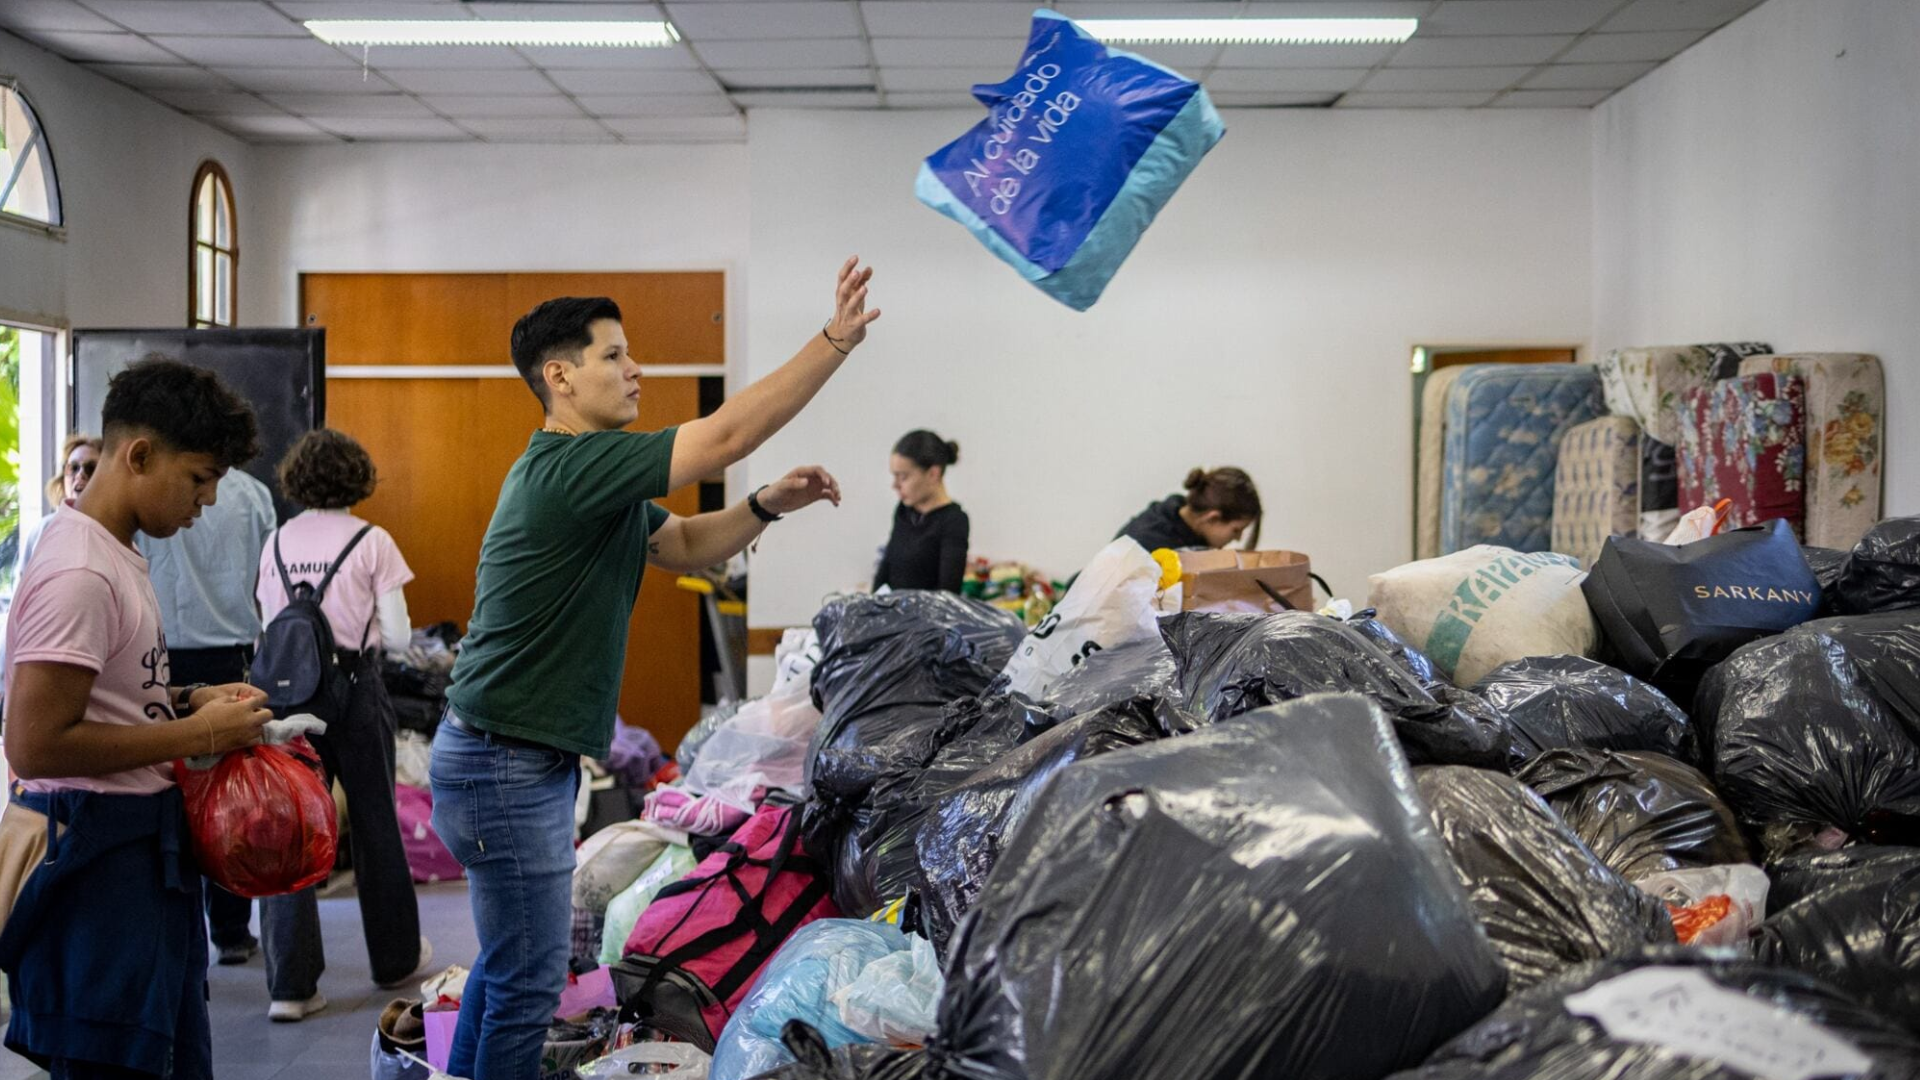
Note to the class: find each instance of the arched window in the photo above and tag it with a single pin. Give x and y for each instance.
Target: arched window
(28, 187)
(216, 248)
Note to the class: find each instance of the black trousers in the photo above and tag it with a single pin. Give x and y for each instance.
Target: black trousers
(227, 914)
(358, 752)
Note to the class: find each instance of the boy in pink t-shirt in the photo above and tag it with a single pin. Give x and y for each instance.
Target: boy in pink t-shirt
(91, 727)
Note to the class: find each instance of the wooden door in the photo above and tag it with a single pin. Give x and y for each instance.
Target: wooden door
(444, 445)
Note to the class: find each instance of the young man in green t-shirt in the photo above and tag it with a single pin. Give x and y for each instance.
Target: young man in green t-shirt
(538, 676)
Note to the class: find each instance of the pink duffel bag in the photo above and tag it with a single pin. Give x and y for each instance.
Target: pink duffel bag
(427, 857)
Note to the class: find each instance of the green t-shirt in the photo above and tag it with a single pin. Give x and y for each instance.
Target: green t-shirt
(559, 574)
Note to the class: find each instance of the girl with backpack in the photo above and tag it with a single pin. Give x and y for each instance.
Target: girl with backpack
(330, 592)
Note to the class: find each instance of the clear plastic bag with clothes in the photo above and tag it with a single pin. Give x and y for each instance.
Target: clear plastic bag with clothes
(608, 862)
(895, 999)
(624, 910)
(1711, 905)
(763, 745)
(676, 1060)
(799, 983)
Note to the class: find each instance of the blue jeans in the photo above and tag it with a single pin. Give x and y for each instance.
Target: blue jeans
(505, 810)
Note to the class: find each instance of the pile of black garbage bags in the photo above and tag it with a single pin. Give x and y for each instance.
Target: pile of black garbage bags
(1284, 846)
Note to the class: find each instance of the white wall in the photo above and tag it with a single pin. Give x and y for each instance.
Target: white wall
(1264, 321)
(1766, 185)
(126, 165)
(425, 207)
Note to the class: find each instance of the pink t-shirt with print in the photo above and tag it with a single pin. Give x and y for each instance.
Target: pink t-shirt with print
(308, 544)
(86, 601)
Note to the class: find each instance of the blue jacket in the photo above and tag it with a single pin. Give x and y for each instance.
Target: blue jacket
(105, 953)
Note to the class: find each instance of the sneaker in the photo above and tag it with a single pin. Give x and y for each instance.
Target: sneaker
(426, 957)
(292, 1012)
(231, 955)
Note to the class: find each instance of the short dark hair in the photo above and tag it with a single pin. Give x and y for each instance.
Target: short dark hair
(1228, 491)
(327, 470)
(186, 408)
(563, 324)
(926, 449)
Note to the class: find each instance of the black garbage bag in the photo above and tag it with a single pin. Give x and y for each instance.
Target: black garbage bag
(1641, 813)
(1800, 875)
(1826, 564)
(1546, 902)
(1551, 702)
(1231, 664)
(894, 783)
(1783, 1023)
(858, 1061)
(1856, 926)
(1815, 730)
(1134, 669)
(1262, 898)
(968, 827)
(1883, 571)
(1672, 611)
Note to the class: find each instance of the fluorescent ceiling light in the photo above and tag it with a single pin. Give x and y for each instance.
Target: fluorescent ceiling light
(1253, 31)
(627, 34)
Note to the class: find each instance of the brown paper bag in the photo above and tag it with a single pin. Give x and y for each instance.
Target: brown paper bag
(1232, 580)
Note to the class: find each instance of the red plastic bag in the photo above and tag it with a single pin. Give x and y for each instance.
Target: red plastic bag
(262, 819)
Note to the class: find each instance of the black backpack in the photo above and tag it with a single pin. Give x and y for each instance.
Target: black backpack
(297, 663)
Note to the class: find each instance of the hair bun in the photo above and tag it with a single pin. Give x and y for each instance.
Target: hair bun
(1196, 479)
(953, 453)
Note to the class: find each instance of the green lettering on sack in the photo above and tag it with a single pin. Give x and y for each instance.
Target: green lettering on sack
(1447, 641)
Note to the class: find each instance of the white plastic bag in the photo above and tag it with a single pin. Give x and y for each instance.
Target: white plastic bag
(763, 746)
(681, 1061)
(1110, 604)
(1744, 885)
(1474, 610)
(794, 658)
(609, 860)
(895, 999)
(412, 753)
(624, 911)
(1696, 524)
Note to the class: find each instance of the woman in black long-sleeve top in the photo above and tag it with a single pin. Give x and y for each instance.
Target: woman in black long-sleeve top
(928, 547)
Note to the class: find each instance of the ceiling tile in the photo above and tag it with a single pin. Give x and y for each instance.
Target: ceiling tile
(302, 10)
(51, 15)
(829, 52)
(672, 128)
(634, 82)
(716, 21)
(228, 104)
(1479, 51)
(1678, 15)
(355, 105)
(382, 129)
(1235, 99)
(404, 57)
(461, 106)
(678, 58)
(1588, 76)
(258, 52)
(268, 80)
(224, 18)
(553, 9)
(100, 48)
(1468, 17)
(1148, 9)
(452, 81)
(512, 129)
(947, 18)
(715, 104)
(753, 78)
(1626, 48)
(1553, 99)
(270, 128)
(1339, 9)
(1283, 80)
(937, 80)
(1187, 57)
(1462, 78)
(750, 100)
(1299, 56)
(158, 76)
(931, 99)
(992, 53)
(1414, 101)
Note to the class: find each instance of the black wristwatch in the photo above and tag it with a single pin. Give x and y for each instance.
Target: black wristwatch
(183, 701)
(761, 512)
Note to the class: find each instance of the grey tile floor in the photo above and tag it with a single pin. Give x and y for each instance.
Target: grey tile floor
(332, 1045)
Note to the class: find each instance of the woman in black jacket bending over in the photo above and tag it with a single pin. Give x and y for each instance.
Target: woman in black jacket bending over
(1219, 506)
(928, 548)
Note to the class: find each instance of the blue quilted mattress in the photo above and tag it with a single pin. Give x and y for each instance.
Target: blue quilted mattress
(1504, 426)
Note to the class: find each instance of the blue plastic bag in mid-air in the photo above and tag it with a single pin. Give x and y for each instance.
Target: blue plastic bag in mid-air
(1079, 151)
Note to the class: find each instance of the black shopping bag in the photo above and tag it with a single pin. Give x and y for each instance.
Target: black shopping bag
(1673, 611)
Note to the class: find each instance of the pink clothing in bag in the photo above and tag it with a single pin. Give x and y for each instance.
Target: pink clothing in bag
(427, 857)
(309, 543)
(86, 600)
(701, 815)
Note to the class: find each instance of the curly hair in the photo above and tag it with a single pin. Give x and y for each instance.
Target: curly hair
(187, 408)
(327, 470)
